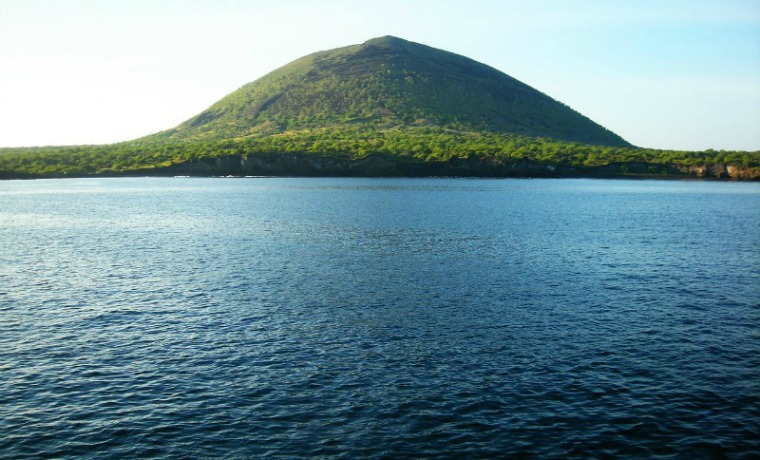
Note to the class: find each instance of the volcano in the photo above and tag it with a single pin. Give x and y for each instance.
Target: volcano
(385, 83)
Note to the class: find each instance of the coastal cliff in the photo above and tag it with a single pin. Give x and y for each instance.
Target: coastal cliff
(386, 166)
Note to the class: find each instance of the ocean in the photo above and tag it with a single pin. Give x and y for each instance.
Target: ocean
(241, 318)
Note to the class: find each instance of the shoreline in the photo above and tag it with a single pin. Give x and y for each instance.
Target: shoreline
(305, 165)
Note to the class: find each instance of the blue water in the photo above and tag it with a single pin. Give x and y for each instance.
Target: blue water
(379, 318)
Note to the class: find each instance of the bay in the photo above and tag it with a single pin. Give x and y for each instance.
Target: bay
(379, 318)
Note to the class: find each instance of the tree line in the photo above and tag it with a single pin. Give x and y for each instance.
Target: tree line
(421, 143)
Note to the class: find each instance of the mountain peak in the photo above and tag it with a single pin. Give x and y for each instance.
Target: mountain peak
(388, 40)
(385, 39)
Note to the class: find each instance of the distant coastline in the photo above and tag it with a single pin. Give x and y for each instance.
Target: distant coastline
(310, 165)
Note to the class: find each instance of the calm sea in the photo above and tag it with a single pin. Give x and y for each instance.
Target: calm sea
(379, 318)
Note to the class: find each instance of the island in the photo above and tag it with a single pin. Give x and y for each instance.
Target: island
(387, 107)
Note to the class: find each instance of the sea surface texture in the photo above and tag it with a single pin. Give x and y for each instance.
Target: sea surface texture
(379, 318)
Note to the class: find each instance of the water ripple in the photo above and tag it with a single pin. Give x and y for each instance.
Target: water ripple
(379, 319)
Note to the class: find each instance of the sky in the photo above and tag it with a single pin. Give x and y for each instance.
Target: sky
(666, 74)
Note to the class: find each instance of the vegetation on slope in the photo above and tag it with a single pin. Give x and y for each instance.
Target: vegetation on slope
(421, 144)
(389, 82)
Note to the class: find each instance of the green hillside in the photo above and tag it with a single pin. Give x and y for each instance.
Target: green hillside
(388, 82)
(351, 150)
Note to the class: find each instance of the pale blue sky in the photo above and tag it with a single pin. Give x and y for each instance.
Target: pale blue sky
(681, 74)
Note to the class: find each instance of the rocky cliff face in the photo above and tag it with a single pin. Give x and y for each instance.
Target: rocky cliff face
(380, 166)
(722, 170)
